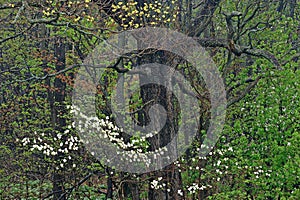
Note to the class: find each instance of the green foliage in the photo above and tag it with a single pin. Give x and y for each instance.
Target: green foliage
(257, 156)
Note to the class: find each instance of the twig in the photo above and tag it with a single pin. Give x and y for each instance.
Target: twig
(69, 190)
(245, 92)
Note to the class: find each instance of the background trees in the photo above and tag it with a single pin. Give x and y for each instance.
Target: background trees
(255, 44)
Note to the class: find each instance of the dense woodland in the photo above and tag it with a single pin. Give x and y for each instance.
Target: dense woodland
(254, 44)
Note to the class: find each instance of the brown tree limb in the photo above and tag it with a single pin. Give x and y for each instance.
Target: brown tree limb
(244, 93)
(15, 36)
(239, 50)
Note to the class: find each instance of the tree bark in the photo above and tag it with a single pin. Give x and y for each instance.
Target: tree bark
(59, 109)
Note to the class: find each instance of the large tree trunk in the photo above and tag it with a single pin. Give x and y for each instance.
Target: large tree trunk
(55, 99)
(158, 94)
(58, 110)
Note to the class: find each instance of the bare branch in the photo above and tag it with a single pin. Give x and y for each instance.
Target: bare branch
(15, 36)
(118, 69)
(239, 50)
(245, 92)
(10, 5)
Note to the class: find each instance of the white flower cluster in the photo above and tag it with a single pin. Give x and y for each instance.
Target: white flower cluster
(25, 141)
(155, 184)
(51, 145)
(211, 153)
(259, 171)
(194, 188)
(136, 148)
(180, 192)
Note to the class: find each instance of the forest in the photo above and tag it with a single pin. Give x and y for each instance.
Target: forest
(149, 99)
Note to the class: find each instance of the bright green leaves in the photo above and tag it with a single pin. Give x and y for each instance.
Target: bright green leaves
(268, 125)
